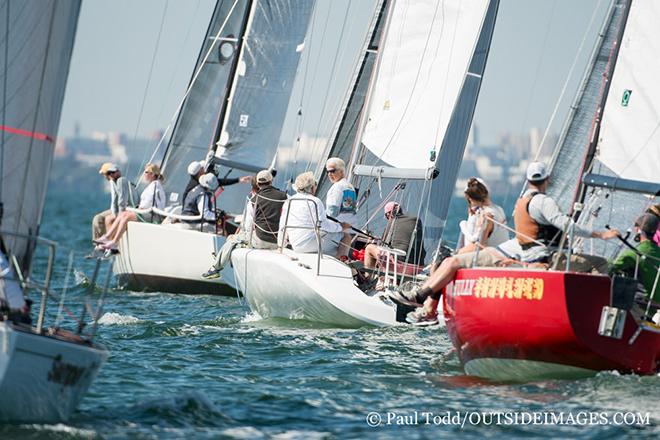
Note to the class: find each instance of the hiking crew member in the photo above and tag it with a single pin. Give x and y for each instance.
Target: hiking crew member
(268, 202)
(199, 200)
(121, 196)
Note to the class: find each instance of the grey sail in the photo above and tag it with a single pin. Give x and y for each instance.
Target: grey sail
(263, 84)
(574, 142)
(36, 42)
(196, 124)
(344, 138)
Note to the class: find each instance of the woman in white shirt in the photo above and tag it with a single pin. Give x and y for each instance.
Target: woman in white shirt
(153, 196)
(301, 213)
(478, 228)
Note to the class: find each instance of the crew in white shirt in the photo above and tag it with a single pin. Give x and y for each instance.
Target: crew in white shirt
(341, 200)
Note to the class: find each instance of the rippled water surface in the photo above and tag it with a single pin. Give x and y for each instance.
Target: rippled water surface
(204, 367)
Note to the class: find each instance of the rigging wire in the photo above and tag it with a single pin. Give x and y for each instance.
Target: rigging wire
(146, 89)
(4, 99)
(193, 80)
(324, 107)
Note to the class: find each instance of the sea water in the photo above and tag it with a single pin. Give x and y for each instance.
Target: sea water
(198, 366)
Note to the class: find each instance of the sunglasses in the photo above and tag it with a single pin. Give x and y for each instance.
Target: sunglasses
(330, 171)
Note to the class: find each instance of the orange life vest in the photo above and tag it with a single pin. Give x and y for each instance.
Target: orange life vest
(528, 230)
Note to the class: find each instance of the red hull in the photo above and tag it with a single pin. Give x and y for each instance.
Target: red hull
(541, 316)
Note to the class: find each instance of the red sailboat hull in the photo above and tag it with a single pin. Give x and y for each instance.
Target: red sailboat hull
(510, 324)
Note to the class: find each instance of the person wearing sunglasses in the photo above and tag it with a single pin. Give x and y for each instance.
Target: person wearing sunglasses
(121, 196)
(340, 201)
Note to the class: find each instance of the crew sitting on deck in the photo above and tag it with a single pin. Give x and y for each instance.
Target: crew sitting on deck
(200, 201)
(121, 197)
(260, 223)
(196, 170)
(341, 200)
(152, 196)
(539, 222)
(645, 260)
(301, 213)
(477, 229)
(398, 234)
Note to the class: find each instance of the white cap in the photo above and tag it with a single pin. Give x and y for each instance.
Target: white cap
(209, 181)
(537, 172)
(195, 167)
(264, 176)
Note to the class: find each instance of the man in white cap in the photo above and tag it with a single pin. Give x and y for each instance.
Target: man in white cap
(540, 223)
(199, 201)
(121, 196)
(260, 223)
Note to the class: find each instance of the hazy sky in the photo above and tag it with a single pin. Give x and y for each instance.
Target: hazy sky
(533, 49)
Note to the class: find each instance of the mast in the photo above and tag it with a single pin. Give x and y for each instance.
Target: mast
(371, 47)
(580, 191)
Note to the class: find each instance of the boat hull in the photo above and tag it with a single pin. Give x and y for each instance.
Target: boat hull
(163, 258)
(286, 285)
(43, 378)
(515, 324)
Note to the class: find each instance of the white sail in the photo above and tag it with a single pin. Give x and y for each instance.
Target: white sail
(426, 54)
(629, 141)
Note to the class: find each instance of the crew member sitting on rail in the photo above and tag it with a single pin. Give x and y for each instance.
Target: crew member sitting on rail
(200, 201)
(535, 214)
(477, 228)
(398, 234)
(152, 196)
(341, 200)
(121, 197)
(645, 261)
(300, 215)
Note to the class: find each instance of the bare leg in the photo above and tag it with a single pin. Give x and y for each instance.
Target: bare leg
(109, 219)
(122, 223)
(370, 256)
(344, 245)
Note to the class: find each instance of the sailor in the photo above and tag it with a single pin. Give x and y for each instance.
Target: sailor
(535, 214)
(199, 200)
(540, 223)
(12, 301)
(341, 200)
(655, 210)
(197, 168)
(153, 196)
(260, 223)
(302, 213)
(478, 228)
(398, 234)
(645, 260)
(121, 196)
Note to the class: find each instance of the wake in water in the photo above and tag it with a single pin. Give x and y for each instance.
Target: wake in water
(112, 318)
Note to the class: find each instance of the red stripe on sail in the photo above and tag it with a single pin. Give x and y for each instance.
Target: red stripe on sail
(26, 133)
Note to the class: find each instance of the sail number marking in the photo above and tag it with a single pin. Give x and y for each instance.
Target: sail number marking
(529, 288)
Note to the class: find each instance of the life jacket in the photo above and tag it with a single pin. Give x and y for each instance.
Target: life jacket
(528, 229)
(190, 202)
(268, 203)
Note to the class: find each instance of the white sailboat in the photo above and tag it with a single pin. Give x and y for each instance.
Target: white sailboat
(249, 58)
(418, 111)
(43, 373)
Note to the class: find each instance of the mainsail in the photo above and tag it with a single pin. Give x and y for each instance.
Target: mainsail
(36, 42)
(237, 103)
(423, 100)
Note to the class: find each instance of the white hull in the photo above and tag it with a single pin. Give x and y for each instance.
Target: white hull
(42, 378)
(166, 258)
(285, 285)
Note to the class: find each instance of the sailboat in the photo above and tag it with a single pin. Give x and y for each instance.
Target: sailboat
(232, 115)
(423, 63)
(513, 324)
(44, 373)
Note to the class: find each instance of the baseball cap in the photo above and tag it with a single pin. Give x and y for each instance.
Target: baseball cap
(108, 167)
(195, 167)
(264, 176)
(537, 172)
(209, 181)
(389, 207)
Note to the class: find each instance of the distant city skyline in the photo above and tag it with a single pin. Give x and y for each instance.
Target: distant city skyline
(533, 48)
